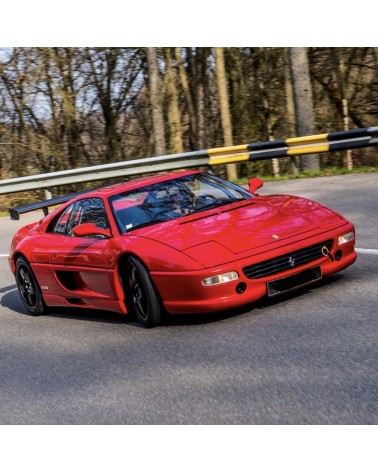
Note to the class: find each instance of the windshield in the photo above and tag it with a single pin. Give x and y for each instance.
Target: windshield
(172, 199)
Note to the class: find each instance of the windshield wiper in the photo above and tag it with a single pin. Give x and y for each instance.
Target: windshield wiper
(148, 223)
(217, 203)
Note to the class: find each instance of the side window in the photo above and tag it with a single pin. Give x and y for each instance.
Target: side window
(88, 210)
(92, 210)
(61, 225)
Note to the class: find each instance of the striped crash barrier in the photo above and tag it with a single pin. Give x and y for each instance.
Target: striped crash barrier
(319, 143)
(336, 141)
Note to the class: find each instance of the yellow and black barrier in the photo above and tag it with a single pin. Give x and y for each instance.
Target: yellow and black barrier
(327, 142)
(336, 141)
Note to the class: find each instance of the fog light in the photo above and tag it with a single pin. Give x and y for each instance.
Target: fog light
(220, 279)
(345, 238)
(241, 287)
(338, 254)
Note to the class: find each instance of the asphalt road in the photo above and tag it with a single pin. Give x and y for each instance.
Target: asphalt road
(307, 358)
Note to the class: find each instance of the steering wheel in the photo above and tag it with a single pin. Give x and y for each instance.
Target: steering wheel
(205, 199)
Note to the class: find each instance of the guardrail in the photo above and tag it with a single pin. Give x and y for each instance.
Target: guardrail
(320, 143)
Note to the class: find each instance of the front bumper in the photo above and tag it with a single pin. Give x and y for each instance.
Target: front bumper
(183, 292)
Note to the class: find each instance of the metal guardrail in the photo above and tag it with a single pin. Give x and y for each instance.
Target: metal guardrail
(320, 143)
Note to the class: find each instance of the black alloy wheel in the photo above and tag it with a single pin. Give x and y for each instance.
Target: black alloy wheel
(28, 288)
(141, 296)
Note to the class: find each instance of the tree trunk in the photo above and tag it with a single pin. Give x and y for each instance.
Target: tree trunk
(187, 95)
(200, 74)
(224, 108)
(175, 135)
(267, 115)
(339, 89)
(305, 119)
(156, 103)
(290, 108)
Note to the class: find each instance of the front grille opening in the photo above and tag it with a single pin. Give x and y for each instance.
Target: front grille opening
(287, 261)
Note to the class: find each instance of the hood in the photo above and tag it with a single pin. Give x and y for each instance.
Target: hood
(216, 236)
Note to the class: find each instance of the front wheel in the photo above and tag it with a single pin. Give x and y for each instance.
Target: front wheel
(141, 296)
(28, 288)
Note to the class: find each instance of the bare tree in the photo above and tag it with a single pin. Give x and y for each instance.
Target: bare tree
(339, 91)
(290, 108)
(184, 81)
(304, 107)
(224, 108)
(156, 102)
(112, 78)
(174, 117)
(200, 73)
(262, 62)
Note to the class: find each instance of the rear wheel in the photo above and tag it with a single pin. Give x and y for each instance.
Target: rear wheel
(141, 296)
(28, 288)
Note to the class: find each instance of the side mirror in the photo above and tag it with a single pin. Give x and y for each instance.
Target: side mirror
(255, 184)
(89, 229)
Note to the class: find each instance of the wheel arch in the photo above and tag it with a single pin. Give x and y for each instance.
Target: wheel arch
(39, 307)
(122, 272)
(14, 258)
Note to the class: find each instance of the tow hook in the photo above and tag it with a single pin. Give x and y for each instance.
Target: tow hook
(326, 252)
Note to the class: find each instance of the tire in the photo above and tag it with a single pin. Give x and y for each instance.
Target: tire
(141, 296)
(28, 288)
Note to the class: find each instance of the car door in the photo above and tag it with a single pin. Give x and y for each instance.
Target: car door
(80, 266)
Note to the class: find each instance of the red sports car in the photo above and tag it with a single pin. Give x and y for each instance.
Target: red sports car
(181, 243)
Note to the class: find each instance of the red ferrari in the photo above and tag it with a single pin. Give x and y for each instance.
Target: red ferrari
(181, 243)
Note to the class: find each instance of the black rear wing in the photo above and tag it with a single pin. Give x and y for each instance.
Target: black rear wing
(45, 204)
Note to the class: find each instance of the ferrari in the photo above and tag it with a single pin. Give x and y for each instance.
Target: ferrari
(184, 242)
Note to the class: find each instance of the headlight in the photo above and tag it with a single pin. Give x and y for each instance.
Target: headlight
(345, 238)
(220, 279)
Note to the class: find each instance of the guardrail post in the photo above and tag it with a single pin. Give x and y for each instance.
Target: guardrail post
(48, 194)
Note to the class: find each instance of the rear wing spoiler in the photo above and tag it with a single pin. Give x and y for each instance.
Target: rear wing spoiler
(45, 204)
